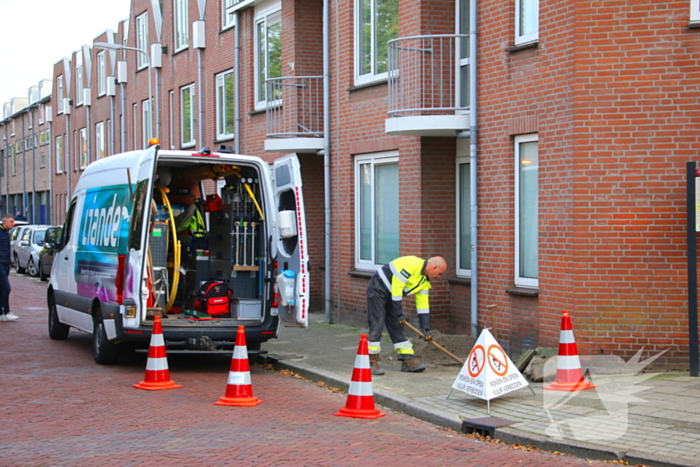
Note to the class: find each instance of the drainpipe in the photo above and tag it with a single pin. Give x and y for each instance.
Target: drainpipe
(326, 157)
(31, 122)
(24, 174)
(237, 85)
(49, 119)
(4, 172)
(473, 120)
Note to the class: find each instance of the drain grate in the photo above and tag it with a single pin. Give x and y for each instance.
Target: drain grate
(484, 426)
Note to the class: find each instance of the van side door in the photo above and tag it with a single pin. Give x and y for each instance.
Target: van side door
(290, 233)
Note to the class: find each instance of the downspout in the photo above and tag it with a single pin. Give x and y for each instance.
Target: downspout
(67, 160)
(49, 120)
(31, 121)
(4, 171)
(237, 85)
(25, 199)
(473, 173)
(326, 157)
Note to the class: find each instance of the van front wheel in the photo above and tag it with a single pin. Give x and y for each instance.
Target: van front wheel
(103, 351)
(57, 330)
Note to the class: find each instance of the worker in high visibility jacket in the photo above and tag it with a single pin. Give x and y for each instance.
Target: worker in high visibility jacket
(407, 275)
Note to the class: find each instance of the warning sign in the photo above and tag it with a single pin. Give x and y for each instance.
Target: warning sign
(488, 371)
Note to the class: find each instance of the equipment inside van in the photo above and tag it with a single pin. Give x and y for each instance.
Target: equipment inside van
(207, 241)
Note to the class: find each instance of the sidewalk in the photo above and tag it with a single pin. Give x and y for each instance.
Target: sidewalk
(658, 426)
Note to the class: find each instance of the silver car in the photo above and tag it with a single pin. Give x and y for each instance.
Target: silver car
(26, 250)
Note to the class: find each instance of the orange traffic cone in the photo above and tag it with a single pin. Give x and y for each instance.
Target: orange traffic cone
(360, 402)
(569, 374)
(157, 373)
(239, 391)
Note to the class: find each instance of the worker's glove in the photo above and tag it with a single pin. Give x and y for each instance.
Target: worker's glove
(402, 319)
(424, 323)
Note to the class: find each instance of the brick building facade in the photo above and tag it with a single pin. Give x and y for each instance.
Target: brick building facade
(540, 147)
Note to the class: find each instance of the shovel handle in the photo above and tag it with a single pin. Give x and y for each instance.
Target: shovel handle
(417, 331)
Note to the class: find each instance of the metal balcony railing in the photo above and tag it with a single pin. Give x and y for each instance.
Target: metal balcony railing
(295, 107)
(428, 75)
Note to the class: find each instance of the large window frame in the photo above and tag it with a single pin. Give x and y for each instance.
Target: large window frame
(268, 50)
(526, 151)
(224, 105)
(376, 209)
(463, 209)
(100, 141)
(376, 23)
(59, 154)
(79, 78)
(227, 20)
(59, 93)
(180, 25)
(142, 41)
(146, 121)
(187, 133)
(527, 21)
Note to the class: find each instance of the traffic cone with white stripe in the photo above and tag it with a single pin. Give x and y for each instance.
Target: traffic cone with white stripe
(569, 373)
(360, 402)
(157, 373)
(239, 391)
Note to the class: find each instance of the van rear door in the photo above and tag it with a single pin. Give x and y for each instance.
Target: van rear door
(292, 250)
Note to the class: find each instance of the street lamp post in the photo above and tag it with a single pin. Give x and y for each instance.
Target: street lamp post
(108, 46)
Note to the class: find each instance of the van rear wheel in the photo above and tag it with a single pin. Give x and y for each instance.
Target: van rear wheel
(103, 351)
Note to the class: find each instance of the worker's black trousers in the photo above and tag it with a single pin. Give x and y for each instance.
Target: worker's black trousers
(381, 311)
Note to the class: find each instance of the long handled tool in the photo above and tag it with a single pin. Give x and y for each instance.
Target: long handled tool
(417, 331)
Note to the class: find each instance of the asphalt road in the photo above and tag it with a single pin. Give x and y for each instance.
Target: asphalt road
(59, 408)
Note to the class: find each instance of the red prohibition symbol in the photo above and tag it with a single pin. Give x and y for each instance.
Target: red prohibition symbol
(498, 361)
(476, 361)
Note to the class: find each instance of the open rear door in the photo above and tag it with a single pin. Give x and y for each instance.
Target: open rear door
(292, 250)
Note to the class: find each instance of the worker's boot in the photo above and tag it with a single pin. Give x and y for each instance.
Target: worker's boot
(411, 365)
(374, 364)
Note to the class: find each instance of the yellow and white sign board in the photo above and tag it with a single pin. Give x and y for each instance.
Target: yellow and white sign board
(488, 371)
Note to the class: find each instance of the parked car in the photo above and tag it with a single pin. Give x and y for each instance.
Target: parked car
(48, 252)
(16, 233)
(26, 250)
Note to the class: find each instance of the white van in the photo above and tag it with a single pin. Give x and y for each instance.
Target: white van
(207, 241)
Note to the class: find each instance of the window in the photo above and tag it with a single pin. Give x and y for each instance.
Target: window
(82, 144)
(59, 154)
(527, 23)
(181, 23)
(79, 78)
(59, 93)
(100, 140)
(227, 20)
(187, 106)
(147, 121)
(268, 51)
(464, 220)
(142, 40)
(224, 105)
(376, 209)
(526, 211)
(694, 10)
(135, 123)
(462, 24)
(101, 74)
(376, 23)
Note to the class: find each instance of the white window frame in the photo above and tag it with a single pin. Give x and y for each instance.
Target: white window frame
(142, 40)
(146, 121)
(135, 123)
(187, 140)
(100, 141)
(59, 154)
(520, 280)
(694, 10)
(374, 160)
(267, 16)
(463, 213)
(373, 75)
(79, 78)
(171, 117)
(222, 99)
(83, 148)
(101, 73)
(532, 11)
(59, 93)
(227, 20)
(180, 24)
(462, 45)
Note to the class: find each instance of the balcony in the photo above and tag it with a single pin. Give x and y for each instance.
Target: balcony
(294, 114)
(428, 85)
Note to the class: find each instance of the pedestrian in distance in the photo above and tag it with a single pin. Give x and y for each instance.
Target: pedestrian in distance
(8, 221)
(407, 275)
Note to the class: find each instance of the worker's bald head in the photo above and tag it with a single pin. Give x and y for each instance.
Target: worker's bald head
(436, 266)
